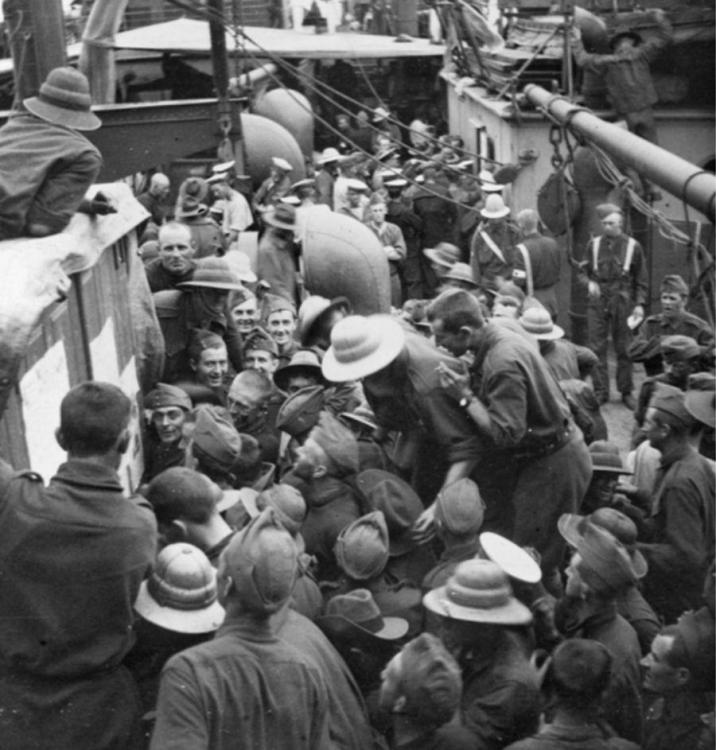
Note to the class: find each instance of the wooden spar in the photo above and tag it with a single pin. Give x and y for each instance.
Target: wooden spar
(693, 185)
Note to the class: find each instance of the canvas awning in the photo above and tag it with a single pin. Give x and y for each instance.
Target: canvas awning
(192, 37)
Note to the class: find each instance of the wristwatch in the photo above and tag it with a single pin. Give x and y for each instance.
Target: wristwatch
(465, 401)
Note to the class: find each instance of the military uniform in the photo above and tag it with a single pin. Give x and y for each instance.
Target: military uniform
(179, 314)
(618, 265)
(646, 347)
(73, 555)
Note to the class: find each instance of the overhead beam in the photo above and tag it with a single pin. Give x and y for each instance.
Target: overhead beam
(686, 181)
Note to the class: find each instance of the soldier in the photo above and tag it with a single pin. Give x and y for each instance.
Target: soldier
(614, 274)
(73, 556)
(672, 320)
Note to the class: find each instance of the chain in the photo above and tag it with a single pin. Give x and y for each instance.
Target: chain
(555, 138)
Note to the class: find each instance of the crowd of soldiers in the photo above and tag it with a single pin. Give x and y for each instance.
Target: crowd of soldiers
(404, 530)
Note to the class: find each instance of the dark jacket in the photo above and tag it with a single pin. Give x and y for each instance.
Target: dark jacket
(72, 555)
(45, 171)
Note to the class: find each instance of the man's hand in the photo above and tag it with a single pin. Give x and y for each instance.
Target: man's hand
(100, 205)
(455, 384)
(658, 14)
(575, 34)
(593, 290)
(423, 529)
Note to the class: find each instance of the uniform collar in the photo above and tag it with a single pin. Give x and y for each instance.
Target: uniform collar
(81, 472)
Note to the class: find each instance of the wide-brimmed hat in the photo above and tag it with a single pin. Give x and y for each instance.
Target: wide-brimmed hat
(515, 561)
(605, 457)
(307, 182)
(213, 273)
(300, 411)
(303, 361)
(397, 182)
(494, 207)
(357, 612)
(362, 415)
(312, 308)
(180, 594)
(604, 563)
(622, 32)
(478, 591)
(357, 186)
(573, 527)
(246, 496)
(281, 164)
(361, 549)
(397, 500)
(64, 99)
(361, 346)
(165, 395)
(380, 114)
(700, 399)
(290, 200)
(386, 153)
(460, 508)
(444, 254)
(537, 321)
(461, 272)
(282, 216)
(329, 155)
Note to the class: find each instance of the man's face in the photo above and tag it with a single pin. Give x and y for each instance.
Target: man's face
(281, 325)
(176, 250)
(246, 315)
(612, 225)
(242, 407)
(655, 432)
(575, 585)
(261, 360)
(660, 676)
(309, 457)
(505, 310)
(354, 198)
(603, 487)
(168, 422)
(219, 190)
(377, 213)
(299, 381)
(342, 122)
(214, 299)
(212, 366)
(672, 304)
(455, 343)
(677, 368)
(390, 683)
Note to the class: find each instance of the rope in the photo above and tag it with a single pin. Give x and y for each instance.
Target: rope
(316, 83)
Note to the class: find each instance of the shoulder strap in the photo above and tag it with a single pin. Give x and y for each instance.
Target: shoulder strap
(595, 252)
(629, 254)
(528, 268)
(492, 245)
